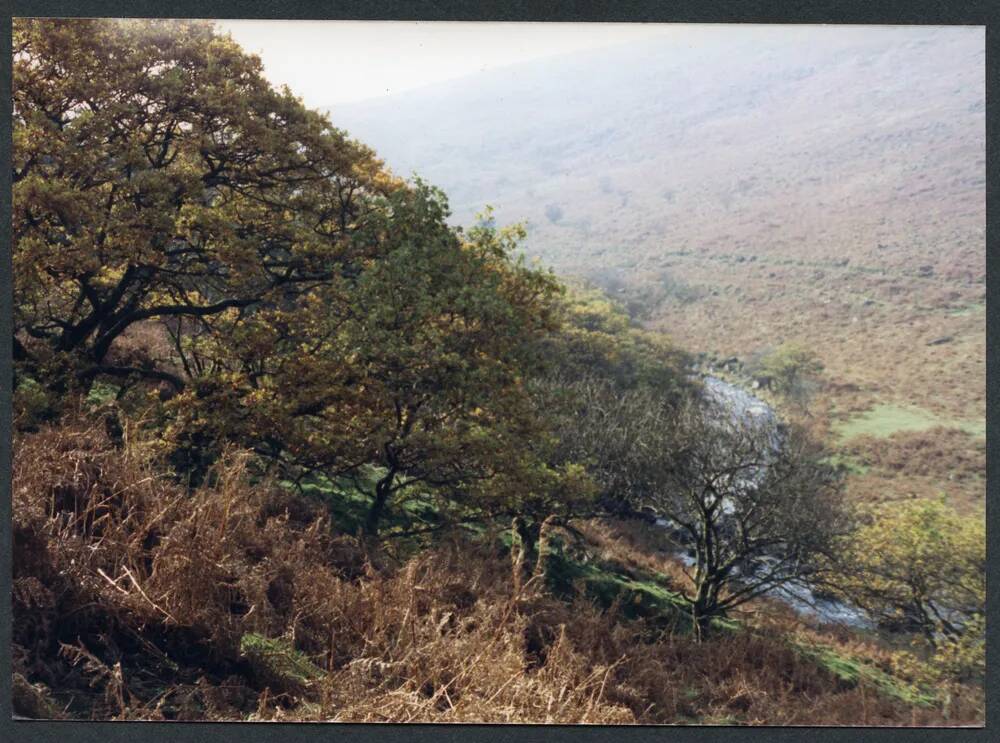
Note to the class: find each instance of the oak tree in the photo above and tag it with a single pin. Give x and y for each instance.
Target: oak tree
(157, 175)
(919, 565)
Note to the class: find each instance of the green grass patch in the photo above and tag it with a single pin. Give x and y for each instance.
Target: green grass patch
(347, 506)
(968, 309)
(348, 501)
(637, 593)
(276, 663)
(852, 672)
(885, 419)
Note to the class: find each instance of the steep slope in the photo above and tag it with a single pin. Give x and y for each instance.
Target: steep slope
(824, 185)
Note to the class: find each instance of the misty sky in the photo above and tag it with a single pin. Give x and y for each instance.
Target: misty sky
(331, 62)
(328, 62)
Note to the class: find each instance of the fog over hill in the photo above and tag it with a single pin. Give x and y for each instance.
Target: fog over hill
(706, 173)
(758, 142)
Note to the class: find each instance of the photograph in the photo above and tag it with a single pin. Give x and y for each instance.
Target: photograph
(498, 372)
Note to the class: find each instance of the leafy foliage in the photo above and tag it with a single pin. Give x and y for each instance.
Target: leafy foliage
(597, 339)
(791, 370)
(319, 311)
(607, 385)
(921, 565)
(157, 175)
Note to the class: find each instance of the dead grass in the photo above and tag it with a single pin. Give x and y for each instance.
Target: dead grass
(920, 464)
(137, 599)
(924, 453)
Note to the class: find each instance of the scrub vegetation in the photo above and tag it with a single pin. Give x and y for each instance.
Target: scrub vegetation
(288, 445)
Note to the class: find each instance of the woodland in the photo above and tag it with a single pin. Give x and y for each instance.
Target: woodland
(291, 445)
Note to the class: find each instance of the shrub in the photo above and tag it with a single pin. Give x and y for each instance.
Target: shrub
(920, 565)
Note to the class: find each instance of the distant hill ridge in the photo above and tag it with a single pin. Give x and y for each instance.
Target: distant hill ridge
(783, 142)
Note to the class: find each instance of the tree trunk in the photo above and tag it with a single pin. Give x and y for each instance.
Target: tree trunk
(520, 553)
(545, 549)
(527, 533)
(703, 609)
(701, 623)
(382, 491)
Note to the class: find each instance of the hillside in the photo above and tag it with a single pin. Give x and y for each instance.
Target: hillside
(825, 187)
(291, 445)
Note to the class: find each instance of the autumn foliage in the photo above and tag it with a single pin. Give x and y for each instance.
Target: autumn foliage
(291, 445)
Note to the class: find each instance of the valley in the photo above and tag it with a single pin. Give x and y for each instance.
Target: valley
(826, 190)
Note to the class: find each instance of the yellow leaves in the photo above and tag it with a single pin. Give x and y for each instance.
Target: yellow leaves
(912, 555)
(109, 275)
(198, 172)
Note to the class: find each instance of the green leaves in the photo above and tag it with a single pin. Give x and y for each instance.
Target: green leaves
(921, 564)
(303, 302)
(157, 174)
(789, 366)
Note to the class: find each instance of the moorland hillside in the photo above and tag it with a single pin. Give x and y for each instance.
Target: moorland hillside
(821, 186)
(289, 444)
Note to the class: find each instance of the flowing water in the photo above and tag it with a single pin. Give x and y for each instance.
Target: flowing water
(801, 596)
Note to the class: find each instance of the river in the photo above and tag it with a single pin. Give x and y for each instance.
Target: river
(800, 596)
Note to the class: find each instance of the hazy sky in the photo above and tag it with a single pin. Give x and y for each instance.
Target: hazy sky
(328, 62)
(332, 62)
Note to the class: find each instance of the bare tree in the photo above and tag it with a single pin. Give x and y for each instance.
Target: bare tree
(753, 499)
(617, 434)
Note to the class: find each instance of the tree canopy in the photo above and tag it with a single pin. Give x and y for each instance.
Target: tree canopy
(317, 310)
(755, 504)
(791, 370)
(918, 564)
(158, 175)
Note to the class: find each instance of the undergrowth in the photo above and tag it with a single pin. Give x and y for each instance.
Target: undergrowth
(137, 598)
